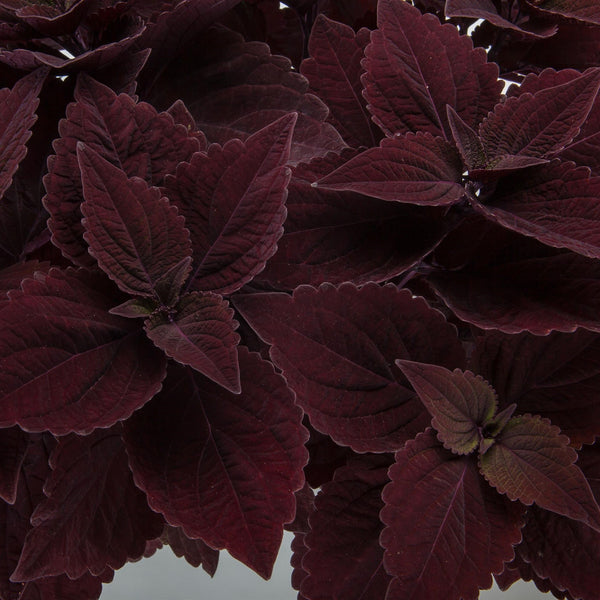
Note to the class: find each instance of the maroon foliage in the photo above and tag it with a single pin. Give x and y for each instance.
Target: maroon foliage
(246, 450)
(302, 266)
(459, 531)
(336, 348)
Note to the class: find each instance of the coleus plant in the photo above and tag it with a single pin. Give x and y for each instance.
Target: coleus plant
(311, 265)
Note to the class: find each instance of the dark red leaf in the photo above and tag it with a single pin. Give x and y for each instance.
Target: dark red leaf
(247, 450)
(341, 236)
(531, 461)
(509, 282)
(66, 364)
(134, 234)
(305, 505)
(344, 559)
(415, 67)
(460, 403)
(418, 169)
(196, 552)
(446, 529)
(467, 141)
(133, 137)
(541, 124)
(200, 332)
(587, 11)
(17, 116)
(93, 517)
(555, 203)
(233, 202)
(337, 347)
(486, 9)
(13, 447)
(554, 376)
(61, 587)
(551, 541)
(333, 71)
(235, 88)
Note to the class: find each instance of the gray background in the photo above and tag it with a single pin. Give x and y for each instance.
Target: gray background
(165, 577)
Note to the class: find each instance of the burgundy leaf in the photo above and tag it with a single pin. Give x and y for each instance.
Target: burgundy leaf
(555, 203)
(17, 116)
(200, 332)
(543, 123)
(462, 404)
(415, 67)
(344, 559)
(196, 552)
(582, 10)
(550, 541)
(233, 201)
(134, 234)
(133, 137)
(13, 447)
(93, 516)
(509, 282)
(14, 519)
(532, 462)
(341, 236)
(235, 88)
(485, 9)
(446, 529)
(305, 505)
(554, 376)
(333, 71)
(418, 169)
(224, 467)
(299, 550)
(467, 141)
(337, 347)
(61, 587)
(66, 364)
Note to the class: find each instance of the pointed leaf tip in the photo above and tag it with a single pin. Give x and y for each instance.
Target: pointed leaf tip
(460, 403)
(532, 462)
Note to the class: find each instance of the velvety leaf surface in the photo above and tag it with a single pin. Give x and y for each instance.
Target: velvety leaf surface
(459, 402)
(66, 364)
(344, 558)
(486, 9)
(343, 236)
(415, 67)
(582, 10)
(554, 376)
(195, 552)
(445, 530)
(17, 116)
(13, 447)
(417, 169)
(531, 461)
(555, 203)
(235, 88)
(135, 234)
(336, 347)
(551, 541)
(467, 141)
(93, 516)
(133, 137)
(200, 332)
(14, 519)
(333, 71)
(224, 467)
(61, 587)
(233, 200)
(509, 282)
(543, 123)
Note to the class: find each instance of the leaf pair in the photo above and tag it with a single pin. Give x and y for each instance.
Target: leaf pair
(524, 457)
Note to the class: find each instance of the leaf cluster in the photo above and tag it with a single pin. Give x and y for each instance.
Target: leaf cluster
(331, 267)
